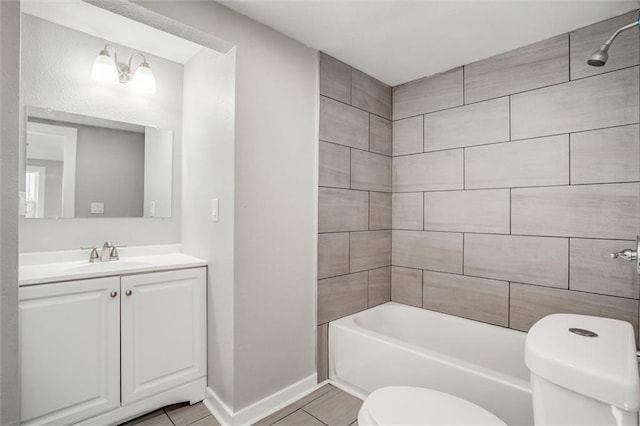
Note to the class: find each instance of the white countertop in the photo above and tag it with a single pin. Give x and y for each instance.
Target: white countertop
(39, 268)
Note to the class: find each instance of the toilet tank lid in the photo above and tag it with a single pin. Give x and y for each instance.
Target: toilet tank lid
(604, 367)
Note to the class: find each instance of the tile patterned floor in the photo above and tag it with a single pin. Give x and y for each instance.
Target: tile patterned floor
(177, 415)
(327, 406)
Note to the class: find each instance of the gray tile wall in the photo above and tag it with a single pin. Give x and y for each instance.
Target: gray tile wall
(354, 217)
(514, 178)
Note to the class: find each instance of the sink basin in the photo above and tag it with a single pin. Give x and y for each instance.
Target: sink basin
(106, 266)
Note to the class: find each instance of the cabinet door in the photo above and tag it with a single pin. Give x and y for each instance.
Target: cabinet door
(163, 331)
(69, 350)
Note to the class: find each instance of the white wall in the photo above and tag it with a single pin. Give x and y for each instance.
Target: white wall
(9, 130)
(208, 169)
(275, 201)
(56, 67)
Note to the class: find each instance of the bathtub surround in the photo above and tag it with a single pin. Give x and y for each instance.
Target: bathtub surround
(9, 135)
(514, 178)
(354, 200)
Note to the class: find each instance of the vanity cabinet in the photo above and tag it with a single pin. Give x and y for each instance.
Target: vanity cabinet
(111, 347)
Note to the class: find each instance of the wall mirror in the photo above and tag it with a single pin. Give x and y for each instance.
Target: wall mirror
(80, 166)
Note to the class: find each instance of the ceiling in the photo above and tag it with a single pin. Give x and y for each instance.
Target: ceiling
(400, 41)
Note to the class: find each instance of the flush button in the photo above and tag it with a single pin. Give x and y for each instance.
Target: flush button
(583, 332)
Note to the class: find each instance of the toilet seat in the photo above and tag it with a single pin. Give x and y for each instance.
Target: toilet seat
(406, 405)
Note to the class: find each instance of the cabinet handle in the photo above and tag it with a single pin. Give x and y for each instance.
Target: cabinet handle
(128, 292)
(114, 293)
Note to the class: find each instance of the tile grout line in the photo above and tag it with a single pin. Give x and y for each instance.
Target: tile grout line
(284, 408)
(464, 168)
(504, 280)
(568, 263)
(510, 212)
(350, 85)
(463, 253)
(168, 416)
(421, 289)
(508, 304)
(302, 408)
(511, 94)
(526, 139)
(569, 158)
(464, 100)
(349, 254)
(357, 107)
(509, 117)
(569, 53)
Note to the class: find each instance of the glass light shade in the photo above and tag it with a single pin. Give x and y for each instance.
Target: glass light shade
(143, 79)
(104, 69)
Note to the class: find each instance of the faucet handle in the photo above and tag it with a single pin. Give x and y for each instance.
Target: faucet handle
(93, 257)
(626, 254)
(114, 252)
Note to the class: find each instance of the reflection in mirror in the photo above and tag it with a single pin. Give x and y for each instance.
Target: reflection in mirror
(80, 166)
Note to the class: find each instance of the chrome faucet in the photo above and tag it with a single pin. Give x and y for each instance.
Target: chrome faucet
(109, 251)
(105, 255)
(630, 254)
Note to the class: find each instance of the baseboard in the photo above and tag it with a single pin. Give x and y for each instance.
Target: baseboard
(358, 393)
(262, 408)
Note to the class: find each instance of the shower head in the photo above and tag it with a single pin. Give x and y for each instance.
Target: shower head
(600, 56)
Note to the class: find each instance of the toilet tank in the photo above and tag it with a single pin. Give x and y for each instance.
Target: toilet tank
(584, 371)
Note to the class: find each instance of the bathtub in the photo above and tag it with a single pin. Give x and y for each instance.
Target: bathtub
(394, 344)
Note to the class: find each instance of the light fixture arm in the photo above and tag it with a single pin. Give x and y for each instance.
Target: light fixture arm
(126, 71)
(115, 53)
(144, 59)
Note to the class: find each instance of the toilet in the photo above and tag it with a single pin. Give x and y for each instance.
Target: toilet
(407, 405)
(584, 371)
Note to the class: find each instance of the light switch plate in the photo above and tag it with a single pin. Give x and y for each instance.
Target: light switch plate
(215, 207)
(97, 208)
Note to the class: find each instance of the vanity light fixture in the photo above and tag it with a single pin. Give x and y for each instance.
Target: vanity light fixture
(107, 70)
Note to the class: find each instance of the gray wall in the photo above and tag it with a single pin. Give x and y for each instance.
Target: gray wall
(209, 135)
(354, 222)
(515, 177)
(271, 296)
(9, 132)
(109, 170)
